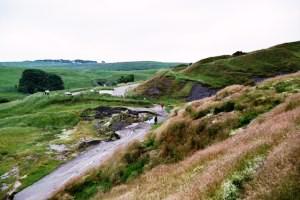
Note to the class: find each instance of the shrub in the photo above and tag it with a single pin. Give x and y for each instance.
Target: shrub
(133, 169)
(286, 86)
(126, 79)
(90, 187)
(197, 114)
(247, 118)
(3, 100)
(226, 107)
(35, 80)
(238, 53)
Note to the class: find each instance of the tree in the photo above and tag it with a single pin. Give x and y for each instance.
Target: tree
(238, 53)
(55, 82)
(35, 80)
(126, 79)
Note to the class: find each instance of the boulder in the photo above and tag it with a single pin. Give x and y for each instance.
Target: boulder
(88, 143)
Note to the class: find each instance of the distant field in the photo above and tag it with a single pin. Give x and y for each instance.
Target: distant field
(73, 78)
(118, 66)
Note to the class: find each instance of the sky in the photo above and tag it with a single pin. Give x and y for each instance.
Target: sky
(129, 30)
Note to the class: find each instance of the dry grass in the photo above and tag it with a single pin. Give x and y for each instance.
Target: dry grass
(198, 137)
(199, 175)
(279, 177)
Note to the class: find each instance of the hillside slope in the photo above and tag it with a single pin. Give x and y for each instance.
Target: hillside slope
(221, 71)
(242, 143)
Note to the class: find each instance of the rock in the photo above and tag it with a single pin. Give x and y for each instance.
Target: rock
(108, 120)
(65, 134)
(113, 137)
(60, 148)
(4, 186)
(13, 172)
(89, 143)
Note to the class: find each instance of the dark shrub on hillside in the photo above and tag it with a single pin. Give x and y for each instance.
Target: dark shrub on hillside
(126, 79)
(247, 117)
(35, 80)
(226, 107)
(239, 53)
(3, 100)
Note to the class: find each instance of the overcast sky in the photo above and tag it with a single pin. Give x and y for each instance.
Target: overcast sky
(126, 30)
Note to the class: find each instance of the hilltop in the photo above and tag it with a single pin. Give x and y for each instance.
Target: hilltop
(207, 75)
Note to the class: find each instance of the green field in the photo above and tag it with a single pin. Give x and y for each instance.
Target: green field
(73, 78)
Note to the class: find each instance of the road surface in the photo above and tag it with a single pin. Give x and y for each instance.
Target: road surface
(119, 91)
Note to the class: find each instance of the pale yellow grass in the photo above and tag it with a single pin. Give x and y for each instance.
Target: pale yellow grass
(199, 175)
(281, 166)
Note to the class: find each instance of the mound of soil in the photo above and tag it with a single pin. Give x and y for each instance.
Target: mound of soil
(199, 91)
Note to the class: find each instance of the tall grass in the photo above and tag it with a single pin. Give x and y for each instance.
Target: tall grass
(192, 157)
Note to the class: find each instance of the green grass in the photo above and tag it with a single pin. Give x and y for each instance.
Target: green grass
(36, 173)
(240, 69)
(29, 125)
(221, 71)
(73, 78)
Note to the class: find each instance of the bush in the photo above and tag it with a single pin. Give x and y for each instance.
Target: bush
(238, 53)
(247, 118)
(226, 107)
(133, 169)
(3, 100)
(126, 79)
(35, 80)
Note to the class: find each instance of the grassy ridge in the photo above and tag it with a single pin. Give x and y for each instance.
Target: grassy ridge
(238, 69)
(221, 71)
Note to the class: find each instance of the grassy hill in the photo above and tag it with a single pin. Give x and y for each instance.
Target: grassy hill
(221, 71)
(242, 143)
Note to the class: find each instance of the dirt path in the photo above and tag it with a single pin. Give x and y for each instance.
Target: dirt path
(122, 90)
(119, 91)
(92, 158)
